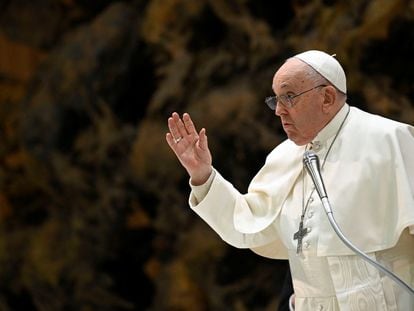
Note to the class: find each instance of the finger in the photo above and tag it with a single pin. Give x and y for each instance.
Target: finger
(202, 141)
(173, 126)
(170, 140)
(189, 124)
(173, 144)
(182, 132)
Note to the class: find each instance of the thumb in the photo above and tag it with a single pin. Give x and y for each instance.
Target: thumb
(202, 140)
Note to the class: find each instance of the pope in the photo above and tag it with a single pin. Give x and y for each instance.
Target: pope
(367, 163)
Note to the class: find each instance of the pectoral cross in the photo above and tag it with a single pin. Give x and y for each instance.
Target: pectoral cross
(299, 235)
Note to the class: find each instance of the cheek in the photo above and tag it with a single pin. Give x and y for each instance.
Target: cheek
(306, 123)
(303, 119)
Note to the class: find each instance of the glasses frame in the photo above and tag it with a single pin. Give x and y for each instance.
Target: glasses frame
(286, 100)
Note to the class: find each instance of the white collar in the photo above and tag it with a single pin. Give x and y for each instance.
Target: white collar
(330, 129)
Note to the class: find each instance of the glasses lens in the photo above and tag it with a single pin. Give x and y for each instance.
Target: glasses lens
(285, 101)
(271, 102)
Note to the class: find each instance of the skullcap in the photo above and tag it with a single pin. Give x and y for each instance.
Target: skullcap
(327, 66)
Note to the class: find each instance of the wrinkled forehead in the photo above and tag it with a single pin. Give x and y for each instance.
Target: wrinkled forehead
(293, 73)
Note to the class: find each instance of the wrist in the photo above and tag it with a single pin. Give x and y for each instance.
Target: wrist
(198, 180)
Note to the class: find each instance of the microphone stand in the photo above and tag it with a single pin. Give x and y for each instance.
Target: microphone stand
(311, 162)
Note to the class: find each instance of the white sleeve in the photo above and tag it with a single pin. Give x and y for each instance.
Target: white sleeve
(198, 193)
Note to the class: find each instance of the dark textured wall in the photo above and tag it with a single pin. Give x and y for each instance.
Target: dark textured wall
(93, 204)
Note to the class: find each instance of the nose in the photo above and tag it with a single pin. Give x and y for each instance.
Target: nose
(280, 110)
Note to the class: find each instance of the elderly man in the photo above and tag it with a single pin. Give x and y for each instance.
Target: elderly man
(367, 163)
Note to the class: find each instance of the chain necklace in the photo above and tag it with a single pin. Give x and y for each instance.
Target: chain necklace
(300, 234)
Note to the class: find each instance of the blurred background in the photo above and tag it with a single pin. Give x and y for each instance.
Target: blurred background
(93, 204)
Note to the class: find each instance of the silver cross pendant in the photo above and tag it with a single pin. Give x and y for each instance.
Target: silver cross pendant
(299, 235)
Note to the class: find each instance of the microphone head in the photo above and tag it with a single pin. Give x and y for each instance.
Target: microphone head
(311, 163)
(310, 156)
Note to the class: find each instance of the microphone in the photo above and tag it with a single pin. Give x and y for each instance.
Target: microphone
(311, 162)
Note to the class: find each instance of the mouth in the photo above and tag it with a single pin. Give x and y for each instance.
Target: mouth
(287, 124)
(288, 127)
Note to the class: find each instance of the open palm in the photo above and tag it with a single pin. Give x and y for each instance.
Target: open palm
(190, 147)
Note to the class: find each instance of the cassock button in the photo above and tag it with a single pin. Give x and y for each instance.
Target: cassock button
(309, 229)
(316, 145)
(306, 244)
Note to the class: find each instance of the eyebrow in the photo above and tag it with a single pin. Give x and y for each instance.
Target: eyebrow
(282, 86)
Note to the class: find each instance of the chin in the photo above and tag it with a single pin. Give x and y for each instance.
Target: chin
(299, 141)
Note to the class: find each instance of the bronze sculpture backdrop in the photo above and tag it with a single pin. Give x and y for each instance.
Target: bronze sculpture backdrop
(93, 204)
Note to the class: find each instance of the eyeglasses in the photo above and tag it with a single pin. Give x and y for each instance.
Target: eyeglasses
(285, 100)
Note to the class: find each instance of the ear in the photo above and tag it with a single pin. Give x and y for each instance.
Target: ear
(329, 100)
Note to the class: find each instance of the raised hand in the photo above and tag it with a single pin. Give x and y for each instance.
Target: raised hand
(190, 147)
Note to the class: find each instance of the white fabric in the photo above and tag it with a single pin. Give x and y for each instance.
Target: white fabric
(327, 66)
(369, 177)
(350, 283)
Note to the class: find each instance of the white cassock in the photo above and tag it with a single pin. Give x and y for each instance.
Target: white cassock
(369, 178)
